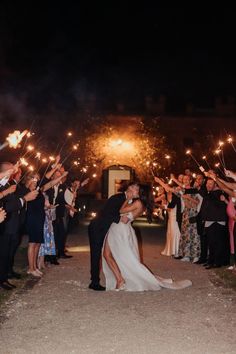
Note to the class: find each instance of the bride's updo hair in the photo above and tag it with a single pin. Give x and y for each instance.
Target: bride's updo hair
(146, 198)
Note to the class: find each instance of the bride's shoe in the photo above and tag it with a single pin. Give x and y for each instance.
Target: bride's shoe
(121, 287)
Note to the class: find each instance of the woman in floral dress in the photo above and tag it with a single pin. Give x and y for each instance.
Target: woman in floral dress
(190, 247)
(47, 248)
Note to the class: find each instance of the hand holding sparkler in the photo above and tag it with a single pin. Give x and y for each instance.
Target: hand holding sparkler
(3, 215)
(7, 191)
(31, 196)
(230, 174)
(86, 181)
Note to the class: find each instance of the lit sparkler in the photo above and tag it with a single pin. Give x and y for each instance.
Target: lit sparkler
(13, 140)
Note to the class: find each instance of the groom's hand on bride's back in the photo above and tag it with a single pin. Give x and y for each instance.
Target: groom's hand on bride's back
(124, 219)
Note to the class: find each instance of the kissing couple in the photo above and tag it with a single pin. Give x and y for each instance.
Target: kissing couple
(112, 237)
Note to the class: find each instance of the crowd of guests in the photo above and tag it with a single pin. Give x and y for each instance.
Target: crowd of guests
(39, 206)
(201, 217)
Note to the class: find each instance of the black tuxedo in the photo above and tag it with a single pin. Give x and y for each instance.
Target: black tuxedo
(98, 229)
(8, 230)
(214, 210)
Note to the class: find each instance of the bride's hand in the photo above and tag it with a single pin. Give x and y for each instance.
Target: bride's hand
(124, 219)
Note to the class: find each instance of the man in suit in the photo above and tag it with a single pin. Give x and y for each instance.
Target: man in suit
(99, 227)
(17, 236)
(12, 204)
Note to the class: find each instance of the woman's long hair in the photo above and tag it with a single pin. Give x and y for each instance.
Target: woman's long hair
(146, 199)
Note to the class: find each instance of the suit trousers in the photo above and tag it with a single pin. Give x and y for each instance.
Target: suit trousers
(60, 235)
(97, 232)
(14, 244)
(218, 242)
(5, 243)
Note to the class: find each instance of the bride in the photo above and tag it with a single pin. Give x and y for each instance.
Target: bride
(120, 257)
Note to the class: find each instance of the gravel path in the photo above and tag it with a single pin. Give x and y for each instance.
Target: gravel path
(60, 315)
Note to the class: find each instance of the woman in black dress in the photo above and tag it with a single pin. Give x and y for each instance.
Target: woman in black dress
(35, 217)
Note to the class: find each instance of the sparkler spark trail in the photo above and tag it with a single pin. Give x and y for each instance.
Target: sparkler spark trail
(13, 140)
(188, 152)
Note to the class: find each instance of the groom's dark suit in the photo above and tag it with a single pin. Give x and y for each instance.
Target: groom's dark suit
(98, 229)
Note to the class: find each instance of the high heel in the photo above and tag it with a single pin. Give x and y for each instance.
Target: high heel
(34, 273)
(121, 287)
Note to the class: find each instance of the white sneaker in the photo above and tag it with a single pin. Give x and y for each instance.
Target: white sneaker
(195, 259)
(185, 259)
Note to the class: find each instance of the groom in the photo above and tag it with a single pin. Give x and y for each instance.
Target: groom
(99, 227)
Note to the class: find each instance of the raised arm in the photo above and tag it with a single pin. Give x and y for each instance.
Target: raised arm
(55, 167)
(164, 185)
(52, 183)
(176, 181)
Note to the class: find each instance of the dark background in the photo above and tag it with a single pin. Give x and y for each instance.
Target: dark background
(57, 53)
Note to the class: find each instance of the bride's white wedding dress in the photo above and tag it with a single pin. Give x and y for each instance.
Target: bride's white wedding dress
(123, 244)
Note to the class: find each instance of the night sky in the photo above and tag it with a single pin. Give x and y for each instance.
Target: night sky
(62, 50)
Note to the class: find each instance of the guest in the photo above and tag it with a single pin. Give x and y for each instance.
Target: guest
(213, 212)
(9, 227)
(47, 248)
(173, 233)
(35, 218)
(3, 215)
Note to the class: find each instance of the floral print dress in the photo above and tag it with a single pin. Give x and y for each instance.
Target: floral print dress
(189, 239)
(48, 248)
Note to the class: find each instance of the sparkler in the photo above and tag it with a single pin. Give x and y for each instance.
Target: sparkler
(230, 140)
(217, 152)
(13, 140)
(205, 159)
(188, 152)
(74, 148)
(69, 134)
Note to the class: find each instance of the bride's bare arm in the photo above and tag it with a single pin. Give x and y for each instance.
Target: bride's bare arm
(126, 208)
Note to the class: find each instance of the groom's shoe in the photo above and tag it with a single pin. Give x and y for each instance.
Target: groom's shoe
(96, 287)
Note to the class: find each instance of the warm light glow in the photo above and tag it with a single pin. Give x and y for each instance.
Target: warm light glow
(93, 214)
(204, 157)
(15, 138)
(194, 175)
(217, 164)
(23, 161)
(51, 158)
(44, 160)
(94, 175)
(38, 155)
(75, 163)
(31, 168)
(75, 147)
(217, 151)
(167, 157)
(30, 148)
(69, 134)
(230, 139)
(188, 152)
(94, 165)
(221, 143)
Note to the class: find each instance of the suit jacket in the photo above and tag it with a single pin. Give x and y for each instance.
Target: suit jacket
(12, 205)
(213, 209)
(60, 199)
(111, 211)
